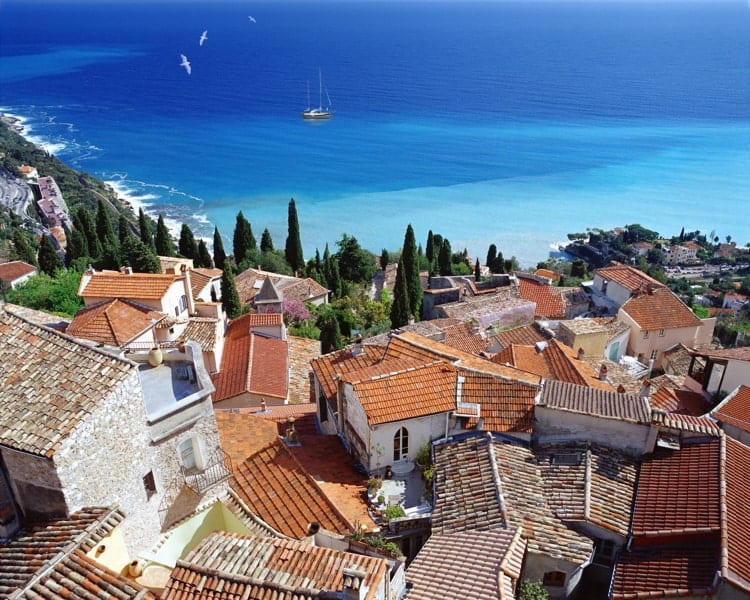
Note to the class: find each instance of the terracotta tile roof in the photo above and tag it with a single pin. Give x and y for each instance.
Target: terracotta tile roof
(413, 392)
(736, 469)
(483, 484)
(628, 277)
(549, 301)
(660, 309)
(201, 330)
(232, 567)
(305, 417)
(589, 483)
(527, 335)
(35, 547)
(505, 406)
(146, 286)
(263, 319)
(475, 560)
(301, 352)
(742, 353)
(678, 491)
(50, 383)
(687, 423)
(303, 290)
(200, 278)
(330, 366)
(251, 363)
(411, 345)
(686, 402)
(561, 395)
(735, 409)
(78, 576)
(244, 434)
(464, 337)
(274, 486)
(113, 322)
(546, 273)
(10, 271)
(666, 572)
(38, 317)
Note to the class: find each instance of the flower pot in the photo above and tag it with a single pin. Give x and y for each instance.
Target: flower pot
(155, 357)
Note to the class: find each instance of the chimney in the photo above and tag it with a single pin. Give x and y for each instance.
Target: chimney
(126, 270)
(603, 372)
(541, 347)
(580, 353)
(263, 407)
(645, 388)
(354, 588)
(188, 289)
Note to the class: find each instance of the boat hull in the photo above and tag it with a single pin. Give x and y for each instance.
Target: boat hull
(315, 115)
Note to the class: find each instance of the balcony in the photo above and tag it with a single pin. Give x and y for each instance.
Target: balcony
(218, 469)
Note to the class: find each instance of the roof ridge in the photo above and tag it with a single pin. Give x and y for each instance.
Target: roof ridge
(496, 477)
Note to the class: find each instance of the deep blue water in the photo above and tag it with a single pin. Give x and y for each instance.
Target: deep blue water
(488, 122)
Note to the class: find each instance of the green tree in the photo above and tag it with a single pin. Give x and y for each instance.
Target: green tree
(163, 240)
(22, 250)
(76, 247)
(411, 270)
(219, 255)
(355, 263)
(477, 272)
(578, 268)
(491, 258)
(144, 230)
(49, 260)
(139, 256)
(203, 259)
(293, 248)
(104, 230)
(400, 309)
(243, 241)
(384, 259)
(430, 248)
(123, 229)
(532, 590)
(330, 331)
(84, 222)
(444, 258)
(187, 245)
(266, 242)
(57, 295)
(230, 298)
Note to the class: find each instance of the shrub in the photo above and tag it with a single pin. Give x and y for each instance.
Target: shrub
(424, 456)
(394, 512)
(532, 590)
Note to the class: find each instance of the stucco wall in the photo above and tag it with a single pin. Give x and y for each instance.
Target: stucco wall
(558, 426)
(537, 565)
(614, 291)
(421, 430)
(593, 343)
(103, 462)
(638, 346)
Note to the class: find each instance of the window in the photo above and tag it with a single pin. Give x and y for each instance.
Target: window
(149, 484)
(653, 354)
(661, 333)
(183, 303)
(571, 459)
(554, 579)
(323, 408)
(190, 454)
(604, 553)
(401, 444)
(645, 335)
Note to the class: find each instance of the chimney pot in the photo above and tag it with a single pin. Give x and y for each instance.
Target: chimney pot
(581, 352)
(603, 372)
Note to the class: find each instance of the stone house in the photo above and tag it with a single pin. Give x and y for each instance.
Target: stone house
(718, 371)
(552, 302)
(251, 283)
(15, 273)
(615, 284)
(570, 412)
(602, 337)
(81, 427)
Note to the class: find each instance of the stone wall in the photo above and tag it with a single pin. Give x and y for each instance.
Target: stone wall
(35, 485)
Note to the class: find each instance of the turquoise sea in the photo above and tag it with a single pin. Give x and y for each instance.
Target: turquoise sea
(504, 122)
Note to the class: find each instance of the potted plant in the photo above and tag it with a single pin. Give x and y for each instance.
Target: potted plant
(424, 456)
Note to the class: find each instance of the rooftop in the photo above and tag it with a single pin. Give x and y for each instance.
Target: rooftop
(628, 277)
(659, 309)
(561, 395)
(505, 406)
(145, 286)
(113, 322)
(14, 269)
(735, 409)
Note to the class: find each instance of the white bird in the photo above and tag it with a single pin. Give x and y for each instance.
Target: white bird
(204, 37)
(185, 63)
(253, 18)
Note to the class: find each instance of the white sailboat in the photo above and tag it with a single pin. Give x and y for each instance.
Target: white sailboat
(320, 112)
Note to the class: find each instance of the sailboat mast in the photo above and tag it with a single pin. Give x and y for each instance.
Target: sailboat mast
(320, 94)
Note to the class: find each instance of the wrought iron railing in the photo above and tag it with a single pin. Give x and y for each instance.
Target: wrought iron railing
(218, 469)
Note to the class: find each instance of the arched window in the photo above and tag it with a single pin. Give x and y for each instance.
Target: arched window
(401, 444)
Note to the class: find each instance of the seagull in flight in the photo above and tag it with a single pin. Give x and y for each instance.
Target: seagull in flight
(185, 63)
(252, 19)
(204, 37)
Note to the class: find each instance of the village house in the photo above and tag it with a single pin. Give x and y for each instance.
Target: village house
(28, 172)
(552, 302)
(733, 413)
(597, 336)
(92, 429)
(734, 301)
(717, 372)
(680, 254)
(15, 273)
(268, 297)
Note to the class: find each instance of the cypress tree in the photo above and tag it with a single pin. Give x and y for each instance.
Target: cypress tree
(139, 256)
(500, 265)
(430, 249)
(75, 248)
(243, 241)
(144, 230)
(491, 257)
(203, 258)
(293, 248)
(163, 241)
(219, 255)
(103, 225)
(230, 298)
(444, 258)
(187, 245)
(85, 223)
(49, 260)
(22, 249)
(400, 308)
(123, 229)
(266, 243)
(411, 270)
(330, 331)
(477, 272)
(384, 258)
